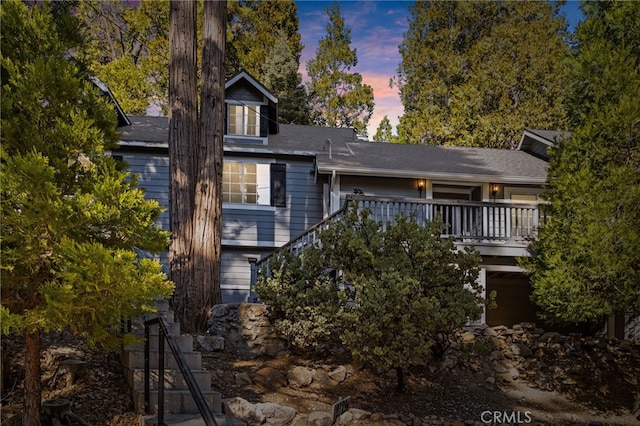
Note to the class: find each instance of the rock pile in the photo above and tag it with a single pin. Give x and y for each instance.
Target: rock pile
(595, 371)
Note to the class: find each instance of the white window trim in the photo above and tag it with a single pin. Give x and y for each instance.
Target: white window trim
(247, 104)
(246, 206)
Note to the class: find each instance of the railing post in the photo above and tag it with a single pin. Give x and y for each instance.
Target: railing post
(253, 279)
(147, 374)
(160, 375)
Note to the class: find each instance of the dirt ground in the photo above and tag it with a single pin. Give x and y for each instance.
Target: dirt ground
(100, 395)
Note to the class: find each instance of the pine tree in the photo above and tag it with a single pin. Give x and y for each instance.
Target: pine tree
(72, 220)
(281, 77)
(337, 97)
(586, 263)
(479, 82)
(264, 40)
(384, 133)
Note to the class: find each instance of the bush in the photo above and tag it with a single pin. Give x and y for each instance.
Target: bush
(411, 290)
(304, 301)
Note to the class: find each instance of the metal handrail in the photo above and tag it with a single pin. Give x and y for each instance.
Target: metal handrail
(196, 393)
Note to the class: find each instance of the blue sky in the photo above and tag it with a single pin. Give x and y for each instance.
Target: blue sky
(377, 28)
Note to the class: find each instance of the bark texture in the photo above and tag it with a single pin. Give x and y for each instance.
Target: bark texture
(207, 212)
(32, 389)
(195, 153)
(183, 137)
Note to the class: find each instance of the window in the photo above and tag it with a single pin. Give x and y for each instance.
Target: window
(243, 120)
(246, 183)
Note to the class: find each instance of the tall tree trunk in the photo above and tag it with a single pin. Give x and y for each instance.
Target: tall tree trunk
(207, 212)
(183, 136)
(32, 389)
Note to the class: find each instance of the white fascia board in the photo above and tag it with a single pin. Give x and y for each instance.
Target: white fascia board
(423, 174)
(258, 150)
(144, 144)
(528, 134)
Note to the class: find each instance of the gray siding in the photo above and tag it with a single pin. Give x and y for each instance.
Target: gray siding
(274, 226)
(244, 92)
(384, 187)
(153, 175)
(248, 232)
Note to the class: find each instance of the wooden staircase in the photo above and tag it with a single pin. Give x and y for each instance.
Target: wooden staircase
(180, 407)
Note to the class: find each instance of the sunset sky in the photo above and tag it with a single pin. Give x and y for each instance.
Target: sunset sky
(377, 28)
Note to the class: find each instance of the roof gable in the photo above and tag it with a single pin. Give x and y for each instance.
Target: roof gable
(245, 76)
(536, 142)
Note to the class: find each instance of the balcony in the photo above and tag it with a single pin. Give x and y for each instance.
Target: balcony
(501, 229)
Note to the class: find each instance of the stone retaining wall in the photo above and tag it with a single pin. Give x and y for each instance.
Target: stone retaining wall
(244, 328)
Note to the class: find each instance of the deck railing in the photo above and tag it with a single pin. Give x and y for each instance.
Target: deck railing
(470, 222)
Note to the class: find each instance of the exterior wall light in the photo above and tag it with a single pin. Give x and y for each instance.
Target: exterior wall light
(494, 190)
(420, 187)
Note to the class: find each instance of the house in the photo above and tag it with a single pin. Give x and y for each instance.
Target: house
(280, 181)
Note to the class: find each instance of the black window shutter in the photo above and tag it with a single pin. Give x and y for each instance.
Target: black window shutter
(278, 184)
(225, 131)
(264, 122)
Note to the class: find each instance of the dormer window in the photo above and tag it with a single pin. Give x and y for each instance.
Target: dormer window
(251, 111)
(243, 120)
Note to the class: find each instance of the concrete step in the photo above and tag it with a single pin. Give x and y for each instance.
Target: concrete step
(176, 402)
(173, 379)
(163, 305)
(185, 342)
(137, 328)
(135, 360)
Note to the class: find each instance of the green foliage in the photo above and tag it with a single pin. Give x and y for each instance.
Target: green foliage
(71, 218)
(384, 132)
(127, 48)
(409, 288)
(263, 39)
(303, 300)
(479, 82)
(281, 77)
(482, 348)
(413, 288)
(586, 263)
(337, 97)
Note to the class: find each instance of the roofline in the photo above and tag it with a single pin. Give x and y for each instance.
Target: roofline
(243, 74)
(418, 174)
(227, 148)
(105, 88)
(531, 134)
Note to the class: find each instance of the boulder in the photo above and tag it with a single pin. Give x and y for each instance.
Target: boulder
(300, 376)
(244, 411)
(319, 418)
(339, 374)
(275, 414)
(211, 343)
(243, 379)
(270, 379)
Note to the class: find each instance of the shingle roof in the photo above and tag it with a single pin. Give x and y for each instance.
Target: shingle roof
(346, 154)
(428, 161)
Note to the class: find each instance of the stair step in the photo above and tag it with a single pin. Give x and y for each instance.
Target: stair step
(190, 420)
(135, 360)
(162, 305)
(173, 379)
(185, 342)
(137, 328)
(176, 401)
